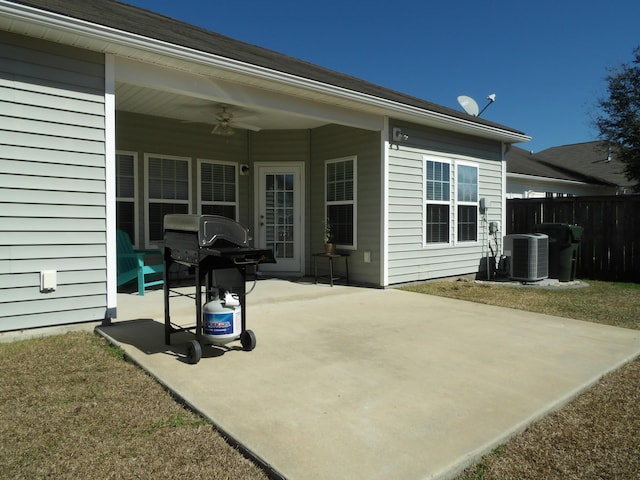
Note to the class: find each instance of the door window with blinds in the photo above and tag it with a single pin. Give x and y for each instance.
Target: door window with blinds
(126, 193)
(218, 188)
(340, 197)
(168, 191)
(280, 218)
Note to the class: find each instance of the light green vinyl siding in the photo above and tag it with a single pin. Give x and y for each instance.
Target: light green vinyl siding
(151, 135)
(334, 142)
(159, 136)
(166, 137)
(52, 183)
(409, 259)
(280, 146)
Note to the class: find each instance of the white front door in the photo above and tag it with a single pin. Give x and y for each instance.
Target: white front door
(279, 222)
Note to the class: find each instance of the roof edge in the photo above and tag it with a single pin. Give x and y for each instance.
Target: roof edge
(538, 178)
(92, 30)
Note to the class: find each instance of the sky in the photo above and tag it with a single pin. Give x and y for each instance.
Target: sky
(546, 61)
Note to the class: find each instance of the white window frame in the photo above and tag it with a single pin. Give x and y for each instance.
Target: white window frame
(136, 193)
(200, 203)
(453, 202)
(465, 163)
(353, 201)
(148, 200)
(425, 201)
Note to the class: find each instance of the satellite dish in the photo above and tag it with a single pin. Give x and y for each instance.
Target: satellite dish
(469, 104)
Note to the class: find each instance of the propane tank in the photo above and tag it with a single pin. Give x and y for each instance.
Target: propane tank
(232, 301)
(220, 324)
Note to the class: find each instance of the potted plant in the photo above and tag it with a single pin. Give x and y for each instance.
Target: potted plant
(329, 246)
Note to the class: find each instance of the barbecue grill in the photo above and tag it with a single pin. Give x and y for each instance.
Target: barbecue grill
(215, 247)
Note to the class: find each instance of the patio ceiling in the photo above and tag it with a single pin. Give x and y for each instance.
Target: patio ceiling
(196, 93)
(186, 108)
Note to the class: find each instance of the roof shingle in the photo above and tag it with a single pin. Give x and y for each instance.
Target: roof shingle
(582, 162)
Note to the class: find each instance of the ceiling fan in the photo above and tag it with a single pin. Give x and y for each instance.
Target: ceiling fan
(223, 127)
(226, 121)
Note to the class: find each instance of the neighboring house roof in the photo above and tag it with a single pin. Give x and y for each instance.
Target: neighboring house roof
(591, 159)
(524, 162)
(124, 17)
(588, 162)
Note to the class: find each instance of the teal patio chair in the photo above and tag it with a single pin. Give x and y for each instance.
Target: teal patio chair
(131, 265)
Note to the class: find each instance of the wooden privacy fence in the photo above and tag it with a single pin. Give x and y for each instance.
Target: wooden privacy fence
(610, 247)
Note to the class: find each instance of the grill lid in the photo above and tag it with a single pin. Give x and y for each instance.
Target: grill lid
(209, 229)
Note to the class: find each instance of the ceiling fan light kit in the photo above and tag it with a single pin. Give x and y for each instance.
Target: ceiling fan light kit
(225, 122)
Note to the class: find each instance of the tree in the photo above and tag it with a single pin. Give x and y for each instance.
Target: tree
(619, 120)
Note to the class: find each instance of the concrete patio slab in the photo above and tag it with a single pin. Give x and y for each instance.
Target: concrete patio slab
(357, 383)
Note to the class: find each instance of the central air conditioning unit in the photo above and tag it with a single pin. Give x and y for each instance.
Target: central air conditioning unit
(528, 256)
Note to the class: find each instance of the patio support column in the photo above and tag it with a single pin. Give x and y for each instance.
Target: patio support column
(110, 185)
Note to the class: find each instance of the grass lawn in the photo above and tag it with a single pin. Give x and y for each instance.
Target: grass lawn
(71, 407)
(615, 304)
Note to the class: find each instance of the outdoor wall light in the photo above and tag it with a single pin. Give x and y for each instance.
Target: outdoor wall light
(398, 136)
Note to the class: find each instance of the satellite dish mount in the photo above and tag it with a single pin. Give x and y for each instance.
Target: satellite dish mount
(471, 106)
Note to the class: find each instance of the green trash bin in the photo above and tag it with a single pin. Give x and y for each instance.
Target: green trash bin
(564, 241)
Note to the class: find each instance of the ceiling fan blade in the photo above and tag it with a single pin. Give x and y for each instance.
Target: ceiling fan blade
(225, 118)
(247, 126)
(245, 118)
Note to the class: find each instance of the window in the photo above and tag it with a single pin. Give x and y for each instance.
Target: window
(218, 189)
(280, 223)
(167, 191)
(467, 187)
(126, 193)
(440, 203)
(438, 193)
(340, 198)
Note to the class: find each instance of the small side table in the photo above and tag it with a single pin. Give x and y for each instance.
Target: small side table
(330, 257)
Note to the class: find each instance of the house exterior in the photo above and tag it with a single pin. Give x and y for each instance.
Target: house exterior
(113, 116)
(580, 169)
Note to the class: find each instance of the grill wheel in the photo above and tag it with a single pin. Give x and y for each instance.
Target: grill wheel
(194, 352)
(248, 340)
